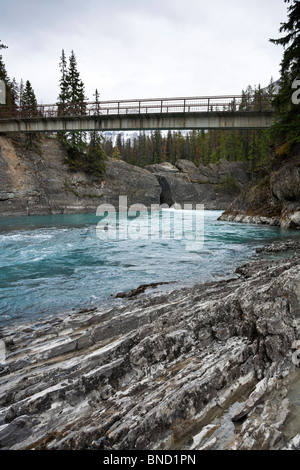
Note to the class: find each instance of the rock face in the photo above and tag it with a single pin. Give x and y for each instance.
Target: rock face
(275, 200)
(215, 185)
(33, 183)
(163, 371)
(41, 183)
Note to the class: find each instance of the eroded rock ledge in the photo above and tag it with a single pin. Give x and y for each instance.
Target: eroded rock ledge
(275, 200)
(163, 371)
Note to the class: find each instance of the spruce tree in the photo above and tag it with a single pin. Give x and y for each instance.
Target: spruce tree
(71, 102)
(14, 92)
(286, 131)
(29, 102)
(116, 153)
(63, 95)
(75, 88)
(21, 91)
(29, 110)
(97, 102)
(96, 157)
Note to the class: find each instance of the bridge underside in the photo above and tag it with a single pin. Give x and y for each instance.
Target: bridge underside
(137, 122)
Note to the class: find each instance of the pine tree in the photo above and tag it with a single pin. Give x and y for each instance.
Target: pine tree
(75, 88)
(116, 153)
(21, 91)
(287, 128)
(71, 101)
(96, 156)
(142, 150)
(14, 92)
(63, 95)
(29, 102)
(29, 110)
(97, 102)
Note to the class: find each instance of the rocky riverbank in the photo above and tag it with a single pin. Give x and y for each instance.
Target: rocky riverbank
(274, 200)
(207, 367)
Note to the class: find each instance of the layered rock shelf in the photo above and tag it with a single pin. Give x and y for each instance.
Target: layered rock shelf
(204, 367)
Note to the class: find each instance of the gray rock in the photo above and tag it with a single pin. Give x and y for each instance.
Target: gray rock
(42, 183)
(275, 200)
(153, 371)
(215, 185)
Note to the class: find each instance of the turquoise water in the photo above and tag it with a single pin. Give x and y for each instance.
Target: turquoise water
(50, 264)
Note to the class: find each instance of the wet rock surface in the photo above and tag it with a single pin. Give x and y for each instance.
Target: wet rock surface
(207, 367)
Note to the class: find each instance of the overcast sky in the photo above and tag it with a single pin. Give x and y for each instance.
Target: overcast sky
(143, 48)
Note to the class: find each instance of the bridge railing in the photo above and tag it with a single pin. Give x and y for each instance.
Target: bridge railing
(145, 106)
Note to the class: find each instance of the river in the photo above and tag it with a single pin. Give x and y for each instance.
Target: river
(56, 263)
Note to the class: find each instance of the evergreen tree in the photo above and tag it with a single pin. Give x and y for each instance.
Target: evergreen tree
(157, 144)
(14, 92)
(96, 156)
(116, 153)
(75, 88)
(119, 142)
(29, 102)
(63, 95)
(3, 73)
(71, 101)
(97, 102)
(142, 141)
(21, 91)
(28, 110)
(287, 128)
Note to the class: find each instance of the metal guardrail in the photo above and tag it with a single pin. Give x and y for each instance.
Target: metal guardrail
(144, 106)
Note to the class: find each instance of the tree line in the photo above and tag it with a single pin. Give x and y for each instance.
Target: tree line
(200, 147)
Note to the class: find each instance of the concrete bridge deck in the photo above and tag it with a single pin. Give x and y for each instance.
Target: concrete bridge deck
(214, 112)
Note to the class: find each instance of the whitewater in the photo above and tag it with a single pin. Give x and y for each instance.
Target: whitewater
(57, 263)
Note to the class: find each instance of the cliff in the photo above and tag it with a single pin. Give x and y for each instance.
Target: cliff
(275, 200)
(42, 183)
(214, 185)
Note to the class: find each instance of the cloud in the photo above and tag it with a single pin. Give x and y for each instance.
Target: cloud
(142, 48)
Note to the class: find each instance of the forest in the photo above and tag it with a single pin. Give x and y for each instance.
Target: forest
(200, 147)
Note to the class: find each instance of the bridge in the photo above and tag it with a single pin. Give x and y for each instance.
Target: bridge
(208, 112)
